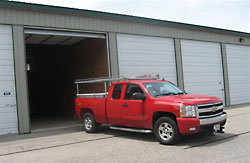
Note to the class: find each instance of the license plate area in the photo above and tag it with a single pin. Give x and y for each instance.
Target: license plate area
(217, 127)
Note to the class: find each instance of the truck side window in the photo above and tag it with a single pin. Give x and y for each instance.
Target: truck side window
(117, 91)
(131, 89)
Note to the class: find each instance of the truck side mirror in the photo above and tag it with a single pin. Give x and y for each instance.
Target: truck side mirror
(139, 96)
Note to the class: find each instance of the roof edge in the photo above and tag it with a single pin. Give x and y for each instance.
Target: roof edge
(117, 16)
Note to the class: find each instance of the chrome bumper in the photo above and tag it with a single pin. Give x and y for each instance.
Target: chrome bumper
(217, 119)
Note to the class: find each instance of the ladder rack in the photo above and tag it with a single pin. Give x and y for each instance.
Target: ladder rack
(113, 79)
(106, 80)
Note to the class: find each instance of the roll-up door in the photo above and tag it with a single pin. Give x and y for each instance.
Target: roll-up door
(238, 63)
(139, 55)
(202, 68)
(8, 113)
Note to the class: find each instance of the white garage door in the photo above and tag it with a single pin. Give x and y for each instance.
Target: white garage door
(139, 55)
(8, 113)
(238, 62)
(202, 68)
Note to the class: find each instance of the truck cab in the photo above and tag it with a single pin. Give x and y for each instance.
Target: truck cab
(156, 106)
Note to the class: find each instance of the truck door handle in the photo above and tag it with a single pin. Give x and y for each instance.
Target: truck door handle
(125, 105)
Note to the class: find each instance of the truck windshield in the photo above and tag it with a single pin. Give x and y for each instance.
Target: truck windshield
(157, 89)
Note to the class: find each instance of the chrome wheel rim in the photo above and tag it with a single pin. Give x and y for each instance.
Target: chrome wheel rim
(165, 131)
(88, 123)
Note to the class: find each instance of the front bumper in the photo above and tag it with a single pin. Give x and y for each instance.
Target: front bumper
(195, 125)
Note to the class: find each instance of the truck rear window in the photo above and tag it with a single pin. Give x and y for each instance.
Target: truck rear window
(117, 91)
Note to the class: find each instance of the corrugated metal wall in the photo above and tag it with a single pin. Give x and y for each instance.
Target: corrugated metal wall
(79, 22)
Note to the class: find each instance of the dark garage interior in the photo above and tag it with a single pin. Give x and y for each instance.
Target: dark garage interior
(53, 63)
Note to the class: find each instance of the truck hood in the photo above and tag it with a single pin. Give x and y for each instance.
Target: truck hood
(190, 99)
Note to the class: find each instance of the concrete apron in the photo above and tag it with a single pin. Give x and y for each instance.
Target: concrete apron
(237, 116)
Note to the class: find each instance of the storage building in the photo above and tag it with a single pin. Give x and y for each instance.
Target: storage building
(43, 49)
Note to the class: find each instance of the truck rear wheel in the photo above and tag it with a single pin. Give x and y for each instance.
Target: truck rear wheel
(89, 123)
(166, 131)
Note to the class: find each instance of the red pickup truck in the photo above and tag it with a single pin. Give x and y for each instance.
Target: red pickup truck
(147, 105)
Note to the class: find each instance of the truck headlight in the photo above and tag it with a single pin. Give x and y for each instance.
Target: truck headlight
(187, 111)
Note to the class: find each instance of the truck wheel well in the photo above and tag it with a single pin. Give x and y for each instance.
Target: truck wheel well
(159, 114)
(86, 110)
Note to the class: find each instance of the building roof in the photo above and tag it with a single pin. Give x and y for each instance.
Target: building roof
(116, 16)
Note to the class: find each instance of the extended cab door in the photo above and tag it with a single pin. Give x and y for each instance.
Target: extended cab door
(114, 105)
(133, 111)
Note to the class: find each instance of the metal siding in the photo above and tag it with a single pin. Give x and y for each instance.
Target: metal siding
(31, 18)
(2, 17)
(100, 25)
(238, 61)
(58, 21)
(67, 21)
(13, 16)
(82, 23)
(122, 28)
(8, 16)
(50, 20)
(94, 24)
(37, 18)
(47, 22)
(74, 22)
(19, 17)
(25, 17)
(53, 20)
(161, 31)
(62, 20)
(88, 23)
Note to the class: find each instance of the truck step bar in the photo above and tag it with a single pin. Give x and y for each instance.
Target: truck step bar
(131, 129)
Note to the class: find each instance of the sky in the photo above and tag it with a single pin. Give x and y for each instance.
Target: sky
(226, 14)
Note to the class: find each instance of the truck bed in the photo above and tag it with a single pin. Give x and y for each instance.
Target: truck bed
(94, 101)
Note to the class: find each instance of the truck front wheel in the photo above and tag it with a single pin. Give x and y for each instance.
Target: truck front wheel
(166, 131)
(89, 123)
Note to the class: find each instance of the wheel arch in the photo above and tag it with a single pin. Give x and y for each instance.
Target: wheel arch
(159, 114)
(86, 110)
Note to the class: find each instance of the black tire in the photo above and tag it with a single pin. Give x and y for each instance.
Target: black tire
(166, 131)
(89, 123)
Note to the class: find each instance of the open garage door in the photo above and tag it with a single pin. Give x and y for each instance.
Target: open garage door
(8, 111)
(202, 68)
(138, 55)
(238, 63)
(54, 60)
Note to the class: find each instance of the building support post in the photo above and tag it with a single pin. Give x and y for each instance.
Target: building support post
(179, 67)
(21, 80)
(113, 59)
(225, 74)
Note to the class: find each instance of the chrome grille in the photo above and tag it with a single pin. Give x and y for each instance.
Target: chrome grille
(210, 110)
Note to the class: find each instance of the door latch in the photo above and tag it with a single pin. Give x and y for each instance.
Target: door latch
(7, 93)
